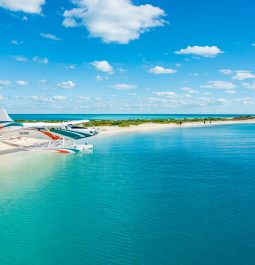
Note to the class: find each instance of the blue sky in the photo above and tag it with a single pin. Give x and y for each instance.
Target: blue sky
(121, 56)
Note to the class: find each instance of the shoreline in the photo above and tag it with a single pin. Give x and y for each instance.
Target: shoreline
(107, 130)
(157, 126)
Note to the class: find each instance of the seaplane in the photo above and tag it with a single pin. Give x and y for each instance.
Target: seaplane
(52, 137)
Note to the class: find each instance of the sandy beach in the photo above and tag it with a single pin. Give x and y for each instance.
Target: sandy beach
(156, 126)
(17, 145)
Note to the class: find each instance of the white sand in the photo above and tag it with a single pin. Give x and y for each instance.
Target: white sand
(154, 126)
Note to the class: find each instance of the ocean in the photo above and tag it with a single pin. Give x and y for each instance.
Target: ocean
(181, 196)
(40, 117)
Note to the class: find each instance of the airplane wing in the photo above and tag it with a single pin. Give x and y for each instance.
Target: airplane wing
(53, 124)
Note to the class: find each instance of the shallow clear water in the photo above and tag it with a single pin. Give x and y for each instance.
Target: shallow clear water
(181, 197)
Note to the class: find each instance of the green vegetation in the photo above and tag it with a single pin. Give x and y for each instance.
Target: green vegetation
(127, 123)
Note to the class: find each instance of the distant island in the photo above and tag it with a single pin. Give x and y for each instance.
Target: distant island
(137, 122)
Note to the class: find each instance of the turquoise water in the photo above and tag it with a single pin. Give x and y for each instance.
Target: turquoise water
(116, 116)
(177, 197)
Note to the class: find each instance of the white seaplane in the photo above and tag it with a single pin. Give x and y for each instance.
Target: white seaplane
(58, 137)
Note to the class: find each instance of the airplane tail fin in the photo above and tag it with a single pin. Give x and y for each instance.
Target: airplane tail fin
(4, 116)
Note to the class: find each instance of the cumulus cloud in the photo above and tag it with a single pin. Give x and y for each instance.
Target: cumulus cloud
(21, 83)
(15, 42)
(114, 21)
(204, 51)
(71, 67)
(4, 83)
(101, 78)
(243, 74)
(158, 70)
(124, 87)
(49, 36)
(67, 84)
(219, 85)
(42, 82)
(20, 58)
(189, 90)
(230, 91)
(40, 60)
(103, 66)
(45, 99)
(165, 94)
(248, 85)
(27, 6)
(59, 98)
(226, 71)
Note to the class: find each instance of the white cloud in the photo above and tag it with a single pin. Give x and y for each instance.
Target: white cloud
(247, 101)
(27, 6)
(103, 66)
(114, 21)
(223, 101)
(226, 71)
(22, 83)
(248, 85)
(59, 98)
(4, 83)
(189, 90)
(165, 94)
(230, 91)
(67, 84)
(49, 36)
(158, 70)
(20, 58)
(121, 70)
(15, 42)
(219, 85)
(124, 87)
(84, 98)
(204, 51)
(2, 97)
(243, 74)
(35, 98)
(45, 99)
(71, 66)
(42, 81)
(99, 78)
(40, 60)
